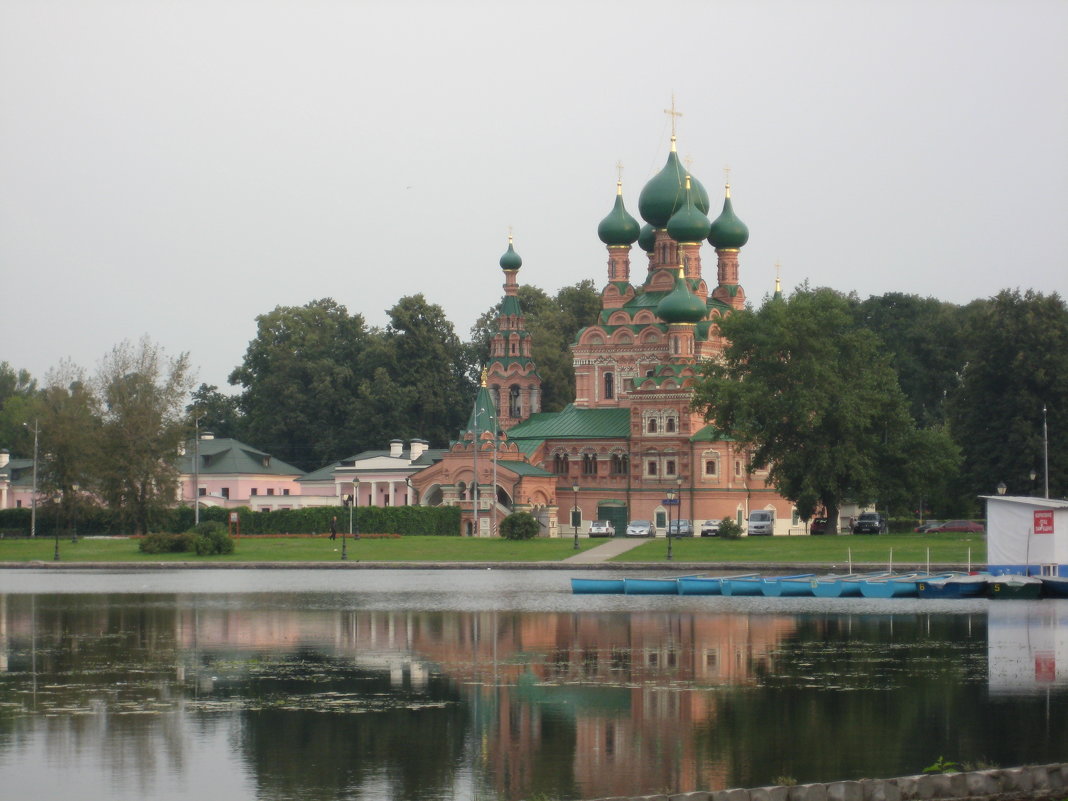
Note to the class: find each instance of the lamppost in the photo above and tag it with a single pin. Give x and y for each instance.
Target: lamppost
(346, 499)
(55, 553)
(1001, 488)
(33, 498)
(672, 499)
(196, 470)
(576, 515)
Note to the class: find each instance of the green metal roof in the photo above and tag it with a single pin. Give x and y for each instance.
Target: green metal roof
(574, 423)
(710, 434)
(523, 468)
(229, 456)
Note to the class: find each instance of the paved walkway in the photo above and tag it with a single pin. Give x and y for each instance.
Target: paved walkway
(602, 553)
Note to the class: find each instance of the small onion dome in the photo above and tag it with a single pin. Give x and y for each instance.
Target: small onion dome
(647, 238)
(688, 224)
(680, 305)
(510, 260)
(728, 232)
(666, 193)
(618, 228)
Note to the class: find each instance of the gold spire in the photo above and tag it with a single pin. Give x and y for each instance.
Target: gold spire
(778, 282)
(673, 114)
(509, 235)
(484, 376)
(727, 180)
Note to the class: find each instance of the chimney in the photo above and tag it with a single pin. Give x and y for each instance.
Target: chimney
(396, 447)
(5, 457)
(418, 448)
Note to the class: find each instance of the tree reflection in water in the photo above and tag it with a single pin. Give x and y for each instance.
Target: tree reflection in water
(190, 693)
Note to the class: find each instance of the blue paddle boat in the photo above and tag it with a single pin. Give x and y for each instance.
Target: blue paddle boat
(596, 586)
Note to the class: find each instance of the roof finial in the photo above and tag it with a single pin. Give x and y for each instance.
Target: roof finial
(727, 180)
(509, 234)
(778, 282)
(673, 114)
(484, 371)
(619, 177)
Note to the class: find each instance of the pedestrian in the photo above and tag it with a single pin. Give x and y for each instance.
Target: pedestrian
(333, 528)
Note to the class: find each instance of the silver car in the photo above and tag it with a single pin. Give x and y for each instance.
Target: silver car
(710, 528)
(641, 528)
(602, 528)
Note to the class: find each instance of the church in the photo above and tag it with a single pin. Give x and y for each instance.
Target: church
(629, 446)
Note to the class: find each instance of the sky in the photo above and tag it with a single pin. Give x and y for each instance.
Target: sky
(174, 168)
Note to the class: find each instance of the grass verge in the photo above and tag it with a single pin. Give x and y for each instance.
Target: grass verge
(912, 548)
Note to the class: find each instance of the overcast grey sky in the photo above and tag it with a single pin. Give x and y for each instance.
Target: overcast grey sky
(177, 168)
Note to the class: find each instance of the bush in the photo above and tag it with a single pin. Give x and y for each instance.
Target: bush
(519, 526)
(212, 537)
(730, 529)
(169, 543)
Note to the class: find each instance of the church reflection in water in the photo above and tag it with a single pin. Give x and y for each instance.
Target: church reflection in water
(444, 704)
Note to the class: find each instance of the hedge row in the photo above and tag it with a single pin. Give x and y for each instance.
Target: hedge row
(442, 521)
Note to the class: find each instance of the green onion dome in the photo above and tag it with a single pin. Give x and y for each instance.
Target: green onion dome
(688, 224)
(728, 232)
(666, 193)
(647, 238)
(510, 260)
(680, 305)
(618, 228)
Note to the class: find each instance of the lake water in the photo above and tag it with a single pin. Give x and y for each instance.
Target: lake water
(426, 685)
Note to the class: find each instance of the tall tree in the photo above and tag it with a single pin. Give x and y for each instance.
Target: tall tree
(218, 413)
(300, 378)
(430, 360)
(69, 416)
(925, 340)
(814, 397)
(18, 391)
(1018, 362)
(142, 392)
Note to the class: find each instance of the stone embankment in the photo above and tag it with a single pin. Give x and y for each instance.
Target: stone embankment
(1004, 784)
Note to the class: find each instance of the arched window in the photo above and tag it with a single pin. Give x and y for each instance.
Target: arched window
(589, 464)
(669, 467)
(651, 467)
(497, 398)
(669, 425)
(651, 425)
(609, 386)
(618, 464)
(514, 405)
(561, 464)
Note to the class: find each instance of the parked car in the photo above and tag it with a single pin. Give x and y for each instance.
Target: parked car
(710, 528)
(641, 528)
(761, 523)
(680, 528)
(959, 525)
(818, 525)
(602, 528)
(870, 523)
(930, 525)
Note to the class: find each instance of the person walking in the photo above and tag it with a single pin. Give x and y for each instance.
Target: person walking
(333, 528)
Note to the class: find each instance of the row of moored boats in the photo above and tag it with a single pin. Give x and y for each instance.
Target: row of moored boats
(867, 585)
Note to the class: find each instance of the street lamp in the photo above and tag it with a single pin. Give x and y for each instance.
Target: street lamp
(1034, 475)
(33, 498)
(346, 500)
(672, 498)
(576, 515)
(1001, 488)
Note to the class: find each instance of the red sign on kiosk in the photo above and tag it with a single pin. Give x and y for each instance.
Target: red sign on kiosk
(1043, 521)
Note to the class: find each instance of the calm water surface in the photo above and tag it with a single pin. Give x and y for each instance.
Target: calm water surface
(434, 685)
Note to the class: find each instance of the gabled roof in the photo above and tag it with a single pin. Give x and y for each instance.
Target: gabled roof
(230, 456)
(18, 471)
(573, 423)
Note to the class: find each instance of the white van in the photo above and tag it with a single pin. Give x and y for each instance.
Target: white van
(761, 523)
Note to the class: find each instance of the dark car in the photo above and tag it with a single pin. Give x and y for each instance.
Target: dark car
(680, 528)
(870, 523)
(818, 525)
(930, 525)
(959, 525)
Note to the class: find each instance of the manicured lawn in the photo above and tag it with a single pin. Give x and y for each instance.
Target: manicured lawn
(304, 549)
(947, 547)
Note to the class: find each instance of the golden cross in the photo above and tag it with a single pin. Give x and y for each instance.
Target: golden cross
(509, 234)
(727, 176)
(673, 114)
(619, 170)
(689, 163)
